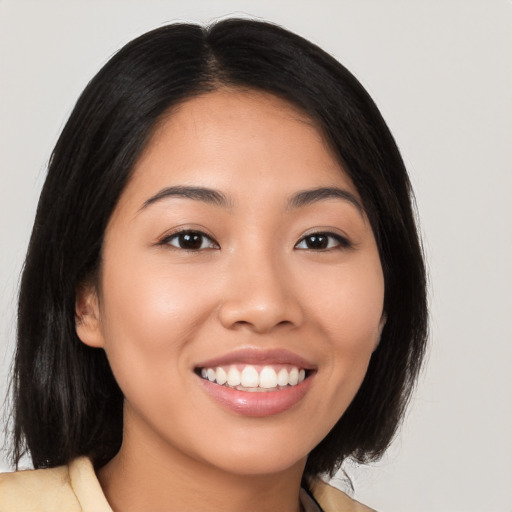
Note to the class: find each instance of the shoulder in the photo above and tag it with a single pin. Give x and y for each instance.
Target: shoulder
(334, 500)
(42, 490)
(71, 488)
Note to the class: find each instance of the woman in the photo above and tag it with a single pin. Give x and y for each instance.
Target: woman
(224, 292)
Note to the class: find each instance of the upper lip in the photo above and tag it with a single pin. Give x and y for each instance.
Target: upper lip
(258, 356)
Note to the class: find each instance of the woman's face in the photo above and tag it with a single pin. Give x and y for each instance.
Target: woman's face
(238, 251)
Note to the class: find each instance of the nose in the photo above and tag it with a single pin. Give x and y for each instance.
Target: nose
(260, 295)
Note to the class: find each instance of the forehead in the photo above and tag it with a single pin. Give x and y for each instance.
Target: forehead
(240, 140)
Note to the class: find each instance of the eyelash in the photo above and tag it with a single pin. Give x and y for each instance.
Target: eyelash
(340, 242)
(192, 233)
(320, 237)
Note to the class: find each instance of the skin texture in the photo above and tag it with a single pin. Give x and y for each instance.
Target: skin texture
(160, 310)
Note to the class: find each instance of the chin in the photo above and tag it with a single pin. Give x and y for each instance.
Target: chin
(261, 465)
(263, 453)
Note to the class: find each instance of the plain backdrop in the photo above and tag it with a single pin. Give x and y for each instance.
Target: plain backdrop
(441, 73)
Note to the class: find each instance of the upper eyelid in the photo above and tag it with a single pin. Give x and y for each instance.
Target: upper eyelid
(164, 239)
(341, 237)
(187, 229)
(325, 231)
(343, 240)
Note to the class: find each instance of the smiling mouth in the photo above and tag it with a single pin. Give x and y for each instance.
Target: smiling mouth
(255, 378)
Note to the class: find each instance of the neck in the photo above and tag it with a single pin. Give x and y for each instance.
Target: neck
(161, 479)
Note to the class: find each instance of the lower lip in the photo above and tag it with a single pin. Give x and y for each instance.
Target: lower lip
(257, 404)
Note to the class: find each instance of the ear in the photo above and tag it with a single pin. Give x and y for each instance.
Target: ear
(87, 316)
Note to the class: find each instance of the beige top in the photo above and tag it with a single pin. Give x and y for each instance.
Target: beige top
(75, 488)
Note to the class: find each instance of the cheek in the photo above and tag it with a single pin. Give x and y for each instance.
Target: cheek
(349, 314)
(349, 304)
(144, 294)
(148, 317)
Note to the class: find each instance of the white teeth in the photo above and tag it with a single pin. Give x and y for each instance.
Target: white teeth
(250, 380)
(222, 377)
(249, 377)
(268, 378)
(282, 377)
(233, 377)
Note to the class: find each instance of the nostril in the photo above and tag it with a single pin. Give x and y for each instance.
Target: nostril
(241, 323)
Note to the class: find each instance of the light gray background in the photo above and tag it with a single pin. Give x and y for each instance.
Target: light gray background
(441, 72)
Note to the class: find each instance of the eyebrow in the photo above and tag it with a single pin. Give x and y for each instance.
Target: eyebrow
(217, 198)
(206, 195)
(307, 197)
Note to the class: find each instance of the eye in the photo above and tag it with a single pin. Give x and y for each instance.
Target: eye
(190, 241)
(322, 242)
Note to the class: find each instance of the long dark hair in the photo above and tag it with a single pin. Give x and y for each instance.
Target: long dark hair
(66, 401)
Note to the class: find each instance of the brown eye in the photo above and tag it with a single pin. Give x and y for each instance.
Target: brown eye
(322, 242)
(191, 241)
(317, 242)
